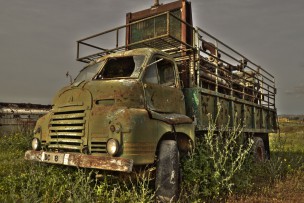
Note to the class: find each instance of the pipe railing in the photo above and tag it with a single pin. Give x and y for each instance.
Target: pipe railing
(240, 75)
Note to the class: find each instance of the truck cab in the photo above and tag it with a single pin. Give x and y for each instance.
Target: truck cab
(120, 107)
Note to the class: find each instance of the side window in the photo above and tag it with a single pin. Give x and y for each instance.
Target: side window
(161, 72)
(151, 75)
(166, 72)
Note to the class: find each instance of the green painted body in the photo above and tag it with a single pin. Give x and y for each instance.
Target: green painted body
(128, 104)
(166, 96)
(201, 103)
(143, 113)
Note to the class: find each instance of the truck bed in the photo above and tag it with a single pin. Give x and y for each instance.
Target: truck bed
(216, 78)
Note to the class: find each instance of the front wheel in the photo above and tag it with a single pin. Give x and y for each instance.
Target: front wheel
(167, 180)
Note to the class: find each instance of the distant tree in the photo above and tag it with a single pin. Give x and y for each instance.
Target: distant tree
(296, 118)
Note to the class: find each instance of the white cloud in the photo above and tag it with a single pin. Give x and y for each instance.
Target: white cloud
(297, 91)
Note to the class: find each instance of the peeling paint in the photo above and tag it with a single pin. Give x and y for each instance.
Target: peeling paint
(81, 160)
(162, 96)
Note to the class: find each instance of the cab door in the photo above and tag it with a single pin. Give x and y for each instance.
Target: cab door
(161, 86)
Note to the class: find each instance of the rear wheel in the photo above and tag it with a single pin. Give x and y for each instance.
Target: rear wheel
(167, 180)
(259, 151)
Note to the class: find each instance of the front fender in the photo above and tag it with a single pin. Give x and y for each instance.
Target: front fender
(171, 118)
(176, 126)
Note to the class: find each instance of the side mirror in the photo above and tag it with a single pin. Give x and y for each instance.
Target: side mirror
(68, 75)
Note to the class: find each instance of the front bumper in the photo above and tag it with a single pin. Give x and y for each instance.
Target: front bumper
(81, 160)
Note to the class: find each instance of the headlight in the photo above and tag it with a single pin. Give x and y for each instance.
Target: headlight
(36, 144)
(112, 147)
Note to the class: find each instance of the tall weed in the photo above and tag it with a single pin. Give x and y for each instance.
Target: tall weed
(136, 189)
(219, 165)
(23, 181)
(219, 157)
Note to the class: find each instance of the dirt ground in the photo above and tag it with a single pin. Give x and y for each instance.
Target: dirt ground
(289, 190)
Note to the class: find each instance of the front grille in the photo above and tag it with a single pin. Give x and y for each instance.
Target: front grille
(98, 147)
(66, 130)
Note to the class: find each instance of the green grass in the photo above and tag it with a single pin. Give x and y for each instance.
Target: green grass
(290, 138)
(279, 180)
(23, 181)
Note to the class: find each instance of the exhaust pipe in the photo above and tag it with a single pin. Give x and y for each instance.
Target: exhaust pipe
(156, 3)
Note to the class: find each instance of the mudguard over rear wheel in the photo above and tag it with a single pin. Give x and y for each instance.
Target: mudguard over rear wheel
(167, 172)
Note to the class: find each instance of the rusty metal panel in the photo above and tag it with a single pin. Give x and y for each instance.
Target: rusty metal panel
(175, 28)
(155, 27)
(131, 17)
(172, 119)
(67, 128)
(148, 29)
(157, 99)
(181, 9)
(139, 148)
(257, 118)
(81, 160)
(238, 112)
(202, 103)
(223, 113)
(248, 116)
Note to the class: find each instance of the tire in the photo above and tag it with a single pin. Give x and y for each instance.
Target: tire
(167, 179)
(259, 151)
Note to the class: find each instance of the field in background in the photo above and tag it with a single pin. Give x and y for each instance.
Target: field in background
(279, 180)
(282, 178)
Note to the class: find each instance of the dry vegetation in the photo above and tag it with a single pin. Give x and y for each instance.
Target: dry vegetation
(279, 180)
(282, 178)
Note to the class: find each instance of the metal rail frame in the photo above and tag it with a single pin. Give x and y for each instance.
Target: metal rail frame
(258, 86)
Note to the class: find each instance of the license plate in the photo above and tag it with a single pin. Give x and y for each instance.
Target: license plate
(55, 158)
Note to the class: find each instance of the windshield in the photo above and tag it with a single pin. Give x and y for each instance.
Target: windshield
(122, 67)
(86, 74)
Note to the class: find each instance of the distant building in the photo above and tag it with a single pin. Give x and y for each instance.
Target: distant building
(283, 120)
(16, 116)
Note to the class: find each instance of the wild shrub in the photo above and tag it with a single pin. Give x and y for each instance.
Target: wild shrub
(137, 189)
(24, 181)
(211, 171)
(285, 158)
(218, 166)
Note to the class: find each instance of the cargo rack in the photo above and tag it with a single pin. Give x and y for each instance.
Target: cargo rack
(204, 61)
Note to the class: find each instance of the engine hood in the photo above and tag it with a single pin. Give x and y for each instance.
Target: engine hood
(123, 92)
(73, 96)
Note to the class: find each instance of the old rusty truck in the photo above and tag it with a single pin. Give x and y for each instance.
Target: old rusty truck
(146, 93)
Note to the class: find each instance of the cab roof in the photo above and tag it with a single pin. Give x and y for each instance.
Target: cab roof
(140, 51)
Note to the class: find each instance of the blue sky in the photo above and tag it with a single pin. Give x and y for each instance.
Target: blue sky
(38, 41)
